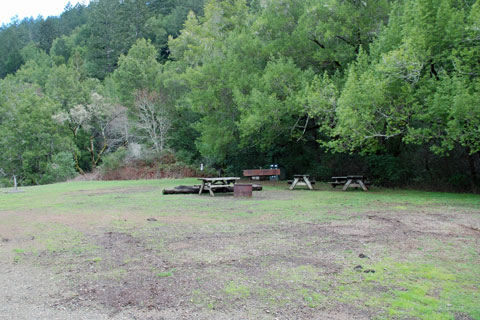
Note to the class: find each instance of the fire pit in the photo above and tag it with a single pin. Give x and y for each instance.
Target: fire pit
(242, 190)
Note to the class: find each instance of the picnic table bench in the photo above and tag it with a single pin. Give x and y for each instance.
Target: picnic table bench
(301, 180)
(211, 184)
(258, 173)
(350, 181)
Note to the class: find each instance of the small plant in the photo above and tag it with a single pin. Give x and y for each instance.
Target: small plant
(237, 290)
(312, 299)
(18, 255)
(165, 274)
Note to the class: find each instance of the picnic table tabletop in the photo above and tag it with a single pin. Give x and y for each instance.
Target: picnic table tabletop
(220, 179)
(349, 177)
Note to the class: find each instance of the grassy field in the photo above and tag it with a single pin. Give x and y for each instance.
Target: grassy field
(121, 250)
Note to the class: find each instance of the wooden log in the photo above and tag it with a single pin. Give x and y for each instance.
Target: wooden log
(178, 191)
(196, 189)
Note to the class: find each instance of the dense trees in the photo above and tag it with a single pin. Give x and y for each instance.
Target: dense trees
(386, 88)
(29, 138)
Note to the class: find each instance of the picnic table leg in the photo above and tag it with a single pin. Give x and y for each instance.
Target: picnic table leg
(309, 185)
(201, 187)
(364, 187)
(207, 186)
(211, 192)
(294, 183)
(347, 184)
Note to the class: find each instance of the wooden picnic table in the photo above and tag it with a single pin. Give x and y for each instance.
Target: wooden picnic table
(350, 181)
(211, 184)
(301, 180)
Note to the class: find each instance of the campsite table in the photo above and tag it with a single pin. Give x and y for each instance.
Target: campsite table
(301, 180)
(211, 184)
(350, 181)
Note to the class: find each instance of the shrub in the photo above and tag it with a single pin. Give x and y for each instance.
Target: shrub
(114, 161)
(388, 170)
(60, 168)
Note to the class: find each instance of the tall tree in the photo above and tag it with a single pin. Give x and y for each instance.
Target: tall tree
(48, 32)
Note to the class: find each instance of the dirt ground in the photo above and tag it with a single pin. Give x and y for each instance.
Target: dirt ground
(184, 265)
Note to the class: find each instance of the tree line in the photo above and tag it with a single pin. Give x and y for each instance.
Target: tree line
(385, 88)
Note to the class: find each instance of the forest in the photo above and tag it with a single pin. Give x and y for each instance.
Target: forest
(385, 88)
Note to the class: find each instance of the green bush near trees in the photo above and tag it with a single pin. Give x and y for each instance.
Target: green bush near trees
(60, 168)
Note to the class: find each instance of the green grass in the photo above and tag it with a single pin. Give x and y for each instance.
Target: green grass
(83, 198)
(437, 278)
(165, 274)
(237, 290)
(413, 289)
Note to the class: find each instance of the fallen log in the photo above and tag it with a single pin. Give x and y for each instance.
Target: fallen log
(196, 189)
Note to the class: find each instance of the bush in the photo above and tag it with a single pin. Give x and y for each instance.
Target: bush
(59, 169)
(4, 182)
(387, 170)
(114, 161)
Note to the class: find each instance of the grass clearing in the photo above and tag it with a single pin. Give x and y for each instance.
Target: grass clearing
(281, 254)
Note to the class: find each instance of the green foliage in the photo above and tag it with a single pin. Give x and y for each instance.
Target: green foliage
(108, 37)
(273, 109)
(387, 170)
(60, 168)
(137, 71)
(28, 134)
(47, 33)
(114, 160)
(309, 85)
(67, 88)
(37, 66)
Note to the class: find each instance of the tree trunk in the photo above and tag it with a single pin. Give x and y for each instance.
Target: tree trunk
(91, 149)
(77, 166)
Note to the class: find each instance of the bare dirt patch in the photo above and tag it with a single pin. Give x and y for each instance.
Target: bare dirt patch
(127, 190)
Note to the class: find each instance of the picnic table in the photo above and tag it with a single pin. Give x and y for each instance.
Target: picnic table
(211, 184)
(350, 181)
(302, 180)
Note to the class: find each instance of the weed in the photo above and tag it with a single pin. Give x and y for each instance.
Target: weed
(237, 290)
